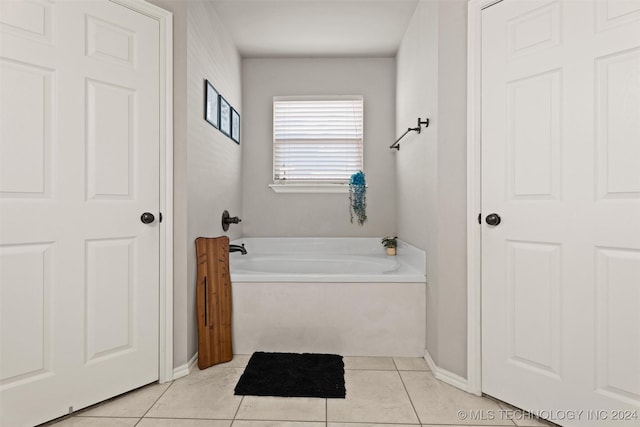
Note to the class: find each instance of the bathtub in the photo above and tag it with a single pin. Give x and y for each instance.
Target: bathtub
(328, 295)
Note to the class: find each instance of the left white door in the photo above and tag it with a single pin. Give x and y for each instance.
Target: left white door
(79, 164)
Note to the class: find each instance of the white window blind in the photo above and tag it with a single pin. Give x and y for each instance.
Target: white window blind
(317, 140)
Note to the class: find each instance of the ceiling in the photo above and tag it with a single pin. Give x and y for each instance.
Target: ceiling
(315, 28)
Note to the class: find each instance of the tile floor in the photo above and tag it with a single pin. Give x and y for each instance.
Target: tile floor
(380, 391)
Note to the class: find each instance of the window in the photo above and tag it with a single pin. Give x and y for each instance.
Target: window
(317, 142)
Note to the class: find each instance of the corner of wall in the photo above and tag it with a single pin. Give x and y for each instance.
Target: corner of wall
(417, 159)
(431, 169)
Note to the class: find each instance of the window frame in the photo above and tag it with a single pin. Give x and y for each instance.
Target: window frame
(300, 186)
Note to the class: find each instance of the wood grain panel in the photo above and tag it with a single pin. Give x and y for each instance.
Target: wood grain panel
(213, 300)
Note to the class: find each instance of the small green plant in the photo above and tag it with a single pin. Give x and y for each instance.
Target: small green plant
(390, 242)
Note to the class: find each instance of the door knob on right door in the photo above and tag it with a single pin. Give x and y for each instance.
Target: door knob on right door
(147, 218)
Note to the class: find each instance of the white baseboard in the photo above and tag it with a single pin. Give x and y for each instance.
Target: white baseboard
(444, 375)
(181, 371)
(186, 368)
(193, 361)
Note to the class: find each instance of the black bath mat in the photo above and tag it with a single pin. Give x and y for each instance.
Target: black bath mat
(293, 375)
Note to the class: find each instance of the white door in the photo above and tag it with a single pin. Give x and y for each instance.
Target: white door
(79, 153)
(561, 167)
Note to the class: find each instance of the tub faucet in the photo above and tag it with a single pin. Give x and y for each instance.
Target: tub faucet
(238, 248)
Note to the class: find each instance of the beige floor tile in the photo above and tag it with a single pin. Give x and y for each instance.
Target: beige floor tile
(166, 422)
(201, 394)
(369, 425)
(522, 418)
(238, 361)
(411, 364)
(96, 422)
(369, 363)
(282, 408)
(133, 404)
(372, 397)
(245, 423)
(440, 403)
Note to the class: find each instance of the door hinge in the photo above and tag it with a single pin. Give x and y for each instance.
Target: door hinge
(479, 218)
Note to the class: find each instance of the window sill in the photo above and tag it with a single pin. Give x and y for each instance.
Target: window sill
(310, 188)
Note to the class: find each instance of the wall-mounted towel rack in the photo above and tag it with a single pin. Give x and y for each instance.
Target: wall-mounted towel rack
(418, 129)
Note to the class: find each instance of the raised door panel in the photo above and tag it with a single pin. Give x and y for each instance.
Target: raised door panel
(533, 306)
(26, 129)
(31, 19)
(533, 137)
(110, 42)
(111, 134)
(618, 124)
(25, 351)
(109, 297)
(533, 31)
(618, 323)
(615, 13)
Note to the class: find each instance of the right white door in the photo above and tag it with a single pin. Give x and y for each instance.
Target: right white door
(561, 167)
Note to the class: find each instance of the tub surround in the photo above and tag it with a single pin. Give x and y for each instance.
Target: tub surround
(337, 310)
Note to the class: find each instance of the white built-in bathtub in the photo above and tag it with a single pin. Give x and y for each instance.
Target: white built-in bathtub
(328, 295)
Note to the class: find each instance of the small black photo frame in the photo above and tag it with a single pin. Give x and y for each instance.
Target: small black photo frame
(211, 106)
(235, 126)
(225, 116)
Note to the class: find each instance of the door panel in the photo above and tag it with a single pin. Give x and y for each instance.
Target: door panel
(25, 352)
(560, 165)
(25, 167)
(110, 133)
(533, 135)
(617, 318)
(617, 113)
(533, 309)
(80, 163)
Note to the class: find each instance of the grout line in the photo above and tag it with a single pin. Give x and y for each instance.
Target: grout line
(326, 412)
(238, 409)
(369, 423)
(409, 396)
(507, 406)
(459, 425)
(367, 369)
(272, 420)
(154, 402)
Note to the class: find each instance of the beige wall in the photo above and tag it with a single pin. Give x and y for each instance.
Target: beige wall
(214, 160)
(417, 160)
(424, 202)
(207, 166)
(266, 213)
(431, 168)
(452, 186)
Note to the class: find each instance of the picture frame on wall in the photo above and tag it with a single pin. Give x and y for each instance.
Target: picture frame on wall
(225, 116)
(235, 126)
(211, 106)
